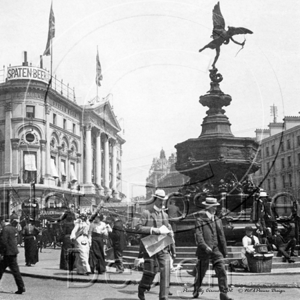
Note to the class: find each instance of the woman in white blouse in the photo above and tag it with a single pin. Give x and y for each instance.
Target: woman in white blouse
(98, 232)
(80, 236)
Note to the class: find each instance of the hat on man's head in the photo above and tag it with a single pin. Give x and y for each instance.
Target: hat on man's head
(209, 201)
(160, 194)
(248, 228)
(263, 194)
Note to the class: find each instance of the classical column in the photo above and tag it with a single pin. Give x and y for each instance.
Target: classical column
(8, 136)
(15, 148)
(98, 159)
(114, 166)
(48, 139)
(43, 159)
(106, 163)
(88, 153)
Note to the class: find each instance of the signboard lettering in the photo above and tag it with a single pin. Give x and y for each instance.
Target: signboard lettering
(25, 72)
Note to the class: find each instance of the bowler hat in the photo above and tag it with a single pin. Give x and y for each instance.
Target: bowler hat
(248, 228)
(263, 194)
(209, 201)
(160, 194)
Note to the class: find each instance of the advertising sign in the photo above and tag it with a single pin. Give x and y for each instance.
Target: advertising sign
(28, 73)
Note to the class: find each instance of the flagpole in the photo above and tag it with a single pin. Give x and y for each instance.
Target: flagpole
(96, 82)
(51, 62)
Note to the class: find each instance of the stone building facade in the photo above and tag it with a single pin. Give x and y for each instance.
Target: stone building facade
(53, 150)
(162, 174)
(280, 157)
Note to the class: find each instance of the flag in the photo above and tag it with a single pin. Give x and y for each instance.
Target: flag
(51, 32)
(98, 70)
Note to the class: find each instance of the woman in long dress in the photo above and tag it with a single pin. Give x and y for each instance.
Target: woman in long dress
(67, 221)
(30, 233)
(82, 244)
(98, 232)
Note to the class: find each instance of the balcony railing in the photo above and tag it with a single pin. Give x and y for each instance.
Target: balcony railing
(57, 85)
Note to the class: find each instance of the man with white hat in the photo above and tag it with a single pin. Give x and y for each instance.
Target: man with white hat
(211, 245)
(151, 223)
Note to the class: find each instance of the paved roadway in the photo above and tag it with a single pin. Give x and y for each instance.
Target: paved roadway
(46, 281)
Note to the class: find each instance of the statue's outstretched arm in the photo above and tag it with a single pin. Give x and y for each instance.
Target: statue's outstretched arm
(236, 42)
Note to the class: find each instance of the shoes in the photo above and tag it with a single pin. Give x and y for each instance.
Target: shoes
(195, 294)
(141, 293)
(170, 294)
(294, 255)
(192, 273)
(224, 296)
(20, 291)
(119, 270)
(291, 261)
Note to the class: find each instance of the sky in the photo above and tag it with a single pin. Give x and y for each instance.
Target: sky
(152, 67)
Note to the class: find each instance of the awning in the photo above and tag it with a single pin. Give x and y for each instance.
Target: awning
(29, 162)
(54, 172)
(73, 177)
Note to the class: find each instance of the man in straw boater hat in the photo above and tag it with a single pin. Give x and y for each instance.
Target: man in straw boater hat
(152, 224)
(211, 245)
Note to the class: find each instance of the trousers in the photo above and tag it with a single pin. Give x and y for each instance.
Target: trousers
(152, 265)
(11, 262)
(219, 266)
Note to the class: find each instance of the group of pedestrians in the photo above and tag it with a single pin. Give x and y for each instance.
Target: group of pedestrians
(85, 240)
(211, 245)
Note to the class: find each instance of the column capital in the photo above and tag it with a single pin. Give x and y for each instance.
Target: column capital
(8, 106)
(88, 127)
(15, 143)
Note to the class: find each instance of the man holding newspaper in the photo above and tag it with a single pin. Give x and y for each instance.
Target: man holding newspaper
(157, 237)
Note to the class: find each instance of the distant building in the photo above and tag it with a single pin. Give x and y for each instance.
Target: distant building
(162, 174)
(53, 150)
(280, 157)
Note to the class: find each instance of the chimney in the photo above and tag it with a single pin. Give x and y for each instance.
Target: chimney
(25, 63)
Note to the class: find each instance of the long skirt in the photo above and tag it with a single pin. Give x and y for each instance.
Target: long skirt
(97, 260)
(65, 254)
(82, 257)
(31, 250)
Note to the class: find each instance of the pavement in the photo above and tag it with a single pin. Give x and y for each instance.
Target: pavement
(48, 268)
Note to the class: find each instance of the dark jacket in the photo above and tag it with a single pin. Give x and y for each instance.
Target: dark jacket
(148, 219)
(204, 235)
(118, 236)
(9, 240)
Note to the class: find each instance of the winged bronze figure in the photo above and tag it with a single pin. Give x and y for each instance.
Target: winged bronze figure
(220, 35)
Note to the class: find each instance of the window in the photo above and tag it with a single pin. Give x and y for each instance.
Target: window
(29, 166)
(290, 180)
(274, 184)
(267, 151)
(273, 149)
(74, 128)
(54, 119)
(282, 163)
(288, 144)
(289, 161)
(269, 184)
(298, 158)
(65, 124)
(63, 170)
(298, 140)
(282, 146)
(283, 181)
(30, 111)
(268, 166)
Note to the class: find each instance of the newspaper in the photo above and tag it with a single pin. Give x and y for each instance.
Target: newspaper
(155, 243)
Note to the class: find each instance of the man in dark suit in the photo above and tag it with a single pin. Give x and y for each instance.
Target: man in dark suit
(211, 245)
(9, 253)
(150, 223)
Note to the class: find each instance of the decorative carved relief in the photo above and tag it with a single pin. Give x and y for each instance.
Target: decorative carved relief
(30, 137)
(8, 106)
(15, 143)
